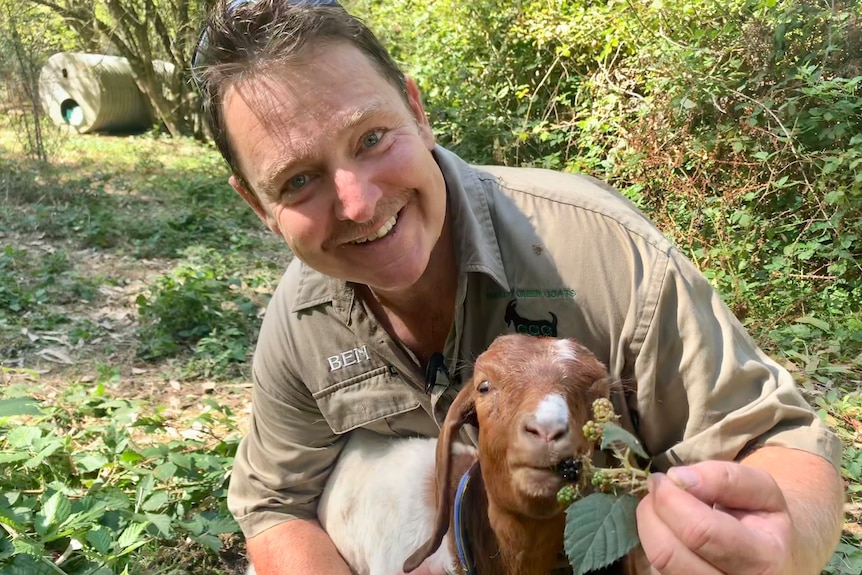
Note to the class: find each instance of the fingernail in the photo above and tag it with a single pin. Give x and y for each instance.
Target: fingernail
(653, 481)
(684, 477)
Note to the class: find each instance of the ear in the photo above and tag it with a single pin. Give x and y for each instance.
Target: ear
(463, 410)
(252, 200)
(414, 100)
(601, 388)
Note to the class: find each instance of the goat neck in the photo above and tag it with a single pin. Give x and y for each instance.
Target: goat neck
(505, 543)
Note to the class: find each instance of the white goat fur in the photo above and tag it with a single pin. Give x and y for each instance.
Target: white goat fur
(375, 538)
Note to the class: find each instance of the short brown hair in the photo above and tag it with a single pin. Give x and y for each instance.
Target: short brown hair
(243, 38)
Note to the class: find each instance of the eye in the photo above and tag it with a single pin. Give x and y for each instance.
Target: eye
(371, 139)
(297, 182)
(484, 386)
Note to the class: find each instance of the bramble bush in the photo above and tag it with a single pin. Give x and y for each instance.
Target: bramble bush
(735, 125)
(198, 307)
(91, 485)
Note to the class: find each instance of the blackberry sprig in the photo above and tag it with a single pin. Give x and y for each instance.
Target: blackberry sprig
(582, 477)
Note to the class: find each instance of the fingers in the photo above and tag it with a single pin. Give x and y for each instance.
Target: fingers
(730, 485)
(715, 517)
(664, 551)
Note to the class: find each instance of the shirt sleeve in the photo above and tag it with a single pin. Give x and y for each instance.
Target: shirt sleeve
(704, 388)
(283, 462)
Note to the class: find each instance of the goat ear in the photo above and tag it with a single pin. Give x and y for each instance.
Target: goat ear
(463, 411)
(601, 388)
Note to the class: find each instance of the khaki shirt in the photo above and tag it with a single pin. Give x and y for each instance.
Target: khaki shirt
(539, 252)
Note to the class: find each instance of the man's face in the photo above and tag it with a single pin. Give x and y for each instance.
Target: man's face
(341, 166)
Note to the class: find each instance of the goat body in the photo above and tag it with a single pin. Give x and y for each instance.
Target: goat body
(388, 503)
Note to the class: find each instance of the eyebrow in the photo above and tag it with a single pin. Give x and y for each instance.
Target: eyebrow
(270, 184)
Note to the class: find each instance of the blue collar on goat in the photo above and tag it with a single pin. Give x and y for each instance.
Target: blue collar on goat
(461, 544)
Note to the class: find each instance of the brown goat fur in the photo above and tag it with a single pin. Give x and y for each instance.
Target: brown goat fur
(529, 397)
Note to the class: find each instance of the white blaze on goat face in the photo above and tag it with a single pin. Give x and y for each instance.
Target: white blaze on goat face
(552, 412)
(564, 350)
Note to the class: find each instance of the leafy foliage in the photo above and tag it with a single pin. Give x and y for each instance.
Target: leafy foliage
(93, 485)
(198, 303)
(600, 528)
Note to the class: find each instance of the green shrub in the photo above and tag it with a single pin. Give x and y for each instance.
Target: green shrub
(198, 306)
(94, 485)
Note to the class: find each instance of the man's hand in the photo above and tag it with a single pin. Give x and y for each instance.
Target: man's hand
(722, 517)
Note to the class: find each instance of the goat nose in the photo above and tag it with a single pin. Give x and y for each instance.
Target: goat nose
(550, 431)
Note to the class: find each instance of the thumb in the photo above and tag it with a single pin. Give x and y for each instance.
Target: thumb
(730, 485)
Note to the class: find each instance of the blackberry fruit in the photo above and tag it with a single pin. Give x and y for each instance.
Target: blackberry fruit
(569, 470)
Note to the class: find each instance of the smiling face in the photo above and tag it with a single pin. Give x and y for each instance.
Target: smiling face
(339, 164)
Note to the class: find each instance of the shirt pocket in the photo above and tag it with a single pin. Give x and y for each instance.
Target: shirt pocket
(365, 399)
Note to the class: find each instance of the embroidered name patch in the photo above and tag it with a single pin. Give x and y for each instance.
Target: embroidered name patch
(347, 358)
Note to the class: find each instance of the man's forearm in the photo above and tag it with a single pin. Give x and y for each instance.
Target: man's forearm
(296, 547)
(815, 499)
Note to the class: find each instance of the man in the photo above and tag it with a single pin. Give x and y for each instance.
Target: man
(409, 262)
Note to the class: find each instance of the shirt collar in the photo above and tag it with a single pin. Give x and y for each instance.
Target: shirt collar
(469, 206)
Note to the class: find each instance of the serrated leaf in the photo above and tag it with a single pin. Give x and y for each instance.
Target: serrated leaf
(131, 536)
(158, 500)
(165, 471)
(613, 435)
(57, 509)
(144, 489)
(91, 462)
(26, 546)
(13, 457)
(210, 541)
(224, 524)
(19, 406)
(23, 436)
(600, 528)
(162, 523)
(100, 538)
(46, 451)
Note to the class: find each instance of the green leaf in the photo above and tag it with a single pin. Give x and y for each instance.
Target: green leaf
(23, 436)
(57, 509)
(158, 500)
(165, 471)
(144, 489)
(210, 541)
(131, 536)
(100, 538)
(53, 513)
(19, 406)
(600, 529)
(613, 435)
(92, 462)
(162, 523)
(818, 323)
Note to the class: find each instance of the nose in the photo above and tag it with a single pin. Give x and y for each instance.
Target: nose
(357, 196)
(549, 423)
(546, 431)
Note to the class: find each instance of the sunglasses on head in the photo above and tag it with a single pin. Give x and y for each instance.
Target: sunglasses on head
(197, 58)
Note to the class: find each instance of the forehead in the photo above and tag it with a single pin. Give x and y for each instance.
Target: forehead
(525, 355)
(290, 105)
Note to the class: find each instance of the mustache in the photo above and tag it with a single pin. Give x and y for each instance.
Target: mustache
(352, 232)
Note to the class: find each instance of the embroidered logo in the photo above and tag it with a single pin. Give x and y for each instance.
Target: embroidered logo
(530, 326)
(347, 358)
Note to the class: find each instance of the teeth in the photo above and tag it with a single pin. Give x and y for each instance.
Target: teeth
(384, 229)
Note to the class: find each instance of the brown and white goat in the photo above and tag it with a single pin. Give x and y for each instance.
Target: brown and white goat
(386, 498)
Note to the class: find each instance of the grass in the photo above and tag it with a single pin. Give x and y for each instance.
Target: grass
(131, 284)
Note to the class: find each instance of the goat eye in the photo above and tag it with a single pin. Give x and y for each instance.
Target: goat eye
(484, 387)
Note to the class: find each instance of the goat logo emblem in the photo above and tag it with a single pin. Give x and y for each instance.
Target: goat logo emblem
(530, 326)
